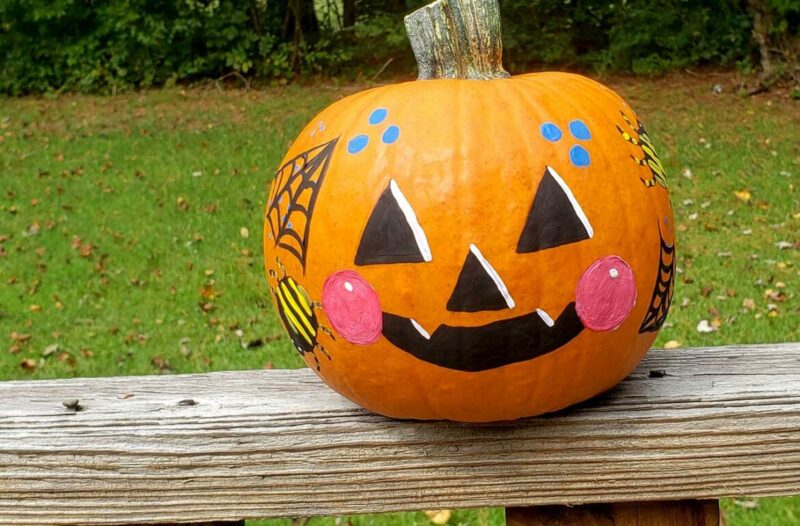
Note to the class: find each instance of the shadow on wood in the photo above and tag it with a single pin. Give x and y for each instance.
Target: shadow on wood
(668, 513)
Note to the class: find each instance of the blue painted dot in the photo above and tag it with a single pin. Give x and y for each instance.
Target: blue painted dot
(378, 116)
(579, 130)
(579, 156)
(357, 143)
(391, 134)
(550, 131)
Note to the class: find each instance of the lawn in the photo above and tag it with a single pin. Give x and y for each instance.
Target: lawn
(130, 231)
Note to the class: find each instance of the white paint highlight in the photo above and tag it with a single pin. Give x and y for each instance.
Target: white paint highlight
(574, 202)
(420, 329)
(614, 273)
(411, 218)
(494, 275)
(348, 286)
(545, 317)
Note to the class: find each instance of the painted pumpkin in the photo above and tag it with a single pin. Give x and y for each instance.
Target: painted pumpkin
(471, 246)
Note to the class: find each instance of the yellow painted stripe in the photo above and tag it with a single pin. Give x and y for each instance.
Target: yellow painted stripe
(657, 169)
(648, 150)
(657, 162)
(300, 297)
(292, 319)
(297, 309)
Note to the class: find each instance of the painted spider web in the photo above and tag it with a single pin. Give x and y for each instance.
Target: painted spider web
(293, 196)
(662, 292)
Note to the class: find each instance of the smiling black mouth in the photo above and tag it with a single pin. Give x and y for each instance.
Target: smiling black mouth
(486, 347)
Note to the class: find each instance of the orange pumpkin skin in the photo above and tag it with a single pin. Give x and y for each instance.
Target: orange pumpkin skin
(469, 159)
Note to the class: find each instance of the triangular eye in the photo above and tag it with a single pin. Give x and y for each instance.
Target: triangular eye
(393, 234)
(555, 218)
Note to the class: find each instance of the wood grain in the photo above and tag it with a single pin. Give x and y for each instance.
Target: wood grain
(665, 513)
(723, 422)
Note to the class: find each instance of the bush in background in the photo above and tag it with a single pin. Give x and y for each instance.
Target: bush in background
(109, 45)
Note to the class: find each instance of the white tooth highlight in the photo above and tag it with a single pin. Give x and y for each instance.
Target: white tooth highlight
(545, 317)
(420, 329)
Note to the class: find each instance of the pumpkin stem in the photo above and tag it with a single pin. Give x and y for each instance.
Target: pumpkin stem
(457, 39)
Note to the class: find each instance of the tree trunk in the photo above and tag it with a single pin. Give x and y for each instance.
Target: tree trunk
(300, 25)
(349, 13)
(762, 26)
(299, 16)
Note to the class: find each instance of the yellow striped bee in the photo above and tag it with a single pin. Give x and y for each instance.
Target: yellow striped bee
(639, 137)
(296, 310)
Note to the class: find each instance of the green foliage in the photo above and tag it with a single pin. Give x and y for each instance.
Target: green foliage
(642, 36)
(112, 45)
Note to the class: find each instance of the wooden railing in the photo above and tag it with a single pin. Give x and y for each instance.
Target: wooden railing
(688, 427)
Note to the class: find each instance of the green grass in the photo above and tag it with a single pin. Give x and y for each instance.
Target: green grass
(122, 221)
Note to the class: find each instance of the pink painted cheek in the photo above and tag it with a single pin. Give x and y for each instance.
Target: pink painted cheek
(606, 294)
(353, 308)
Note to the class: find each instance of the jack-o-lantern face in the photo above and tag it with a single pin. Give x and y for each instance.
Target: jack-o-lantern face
(472, 250)
(393, 235)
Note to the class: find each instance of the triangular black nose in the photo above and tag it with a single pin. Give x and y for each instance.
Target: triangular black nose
(479, 287)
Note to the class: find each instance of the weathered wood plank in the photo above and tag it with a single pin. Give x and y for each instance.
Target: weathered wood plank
(724, 422)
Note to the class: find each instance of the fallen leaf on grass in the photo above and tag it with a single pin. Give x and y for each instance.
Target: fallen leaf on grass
(783, 245)
(672, 344)
(161, 363)
(32, 230)
(28, 364)
(705, 327)
(439, 516)
(748, 304)
(775, 295)
(18, 337)
(746, 504)
(208, 292)
(84, 249)
(743, 195)
(244, 232)
(184, 343)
